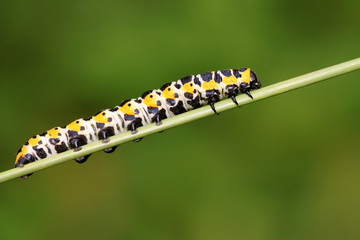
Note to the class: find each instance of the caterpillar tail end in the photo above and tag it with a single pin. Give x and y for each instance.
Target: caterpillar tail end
(21, 163)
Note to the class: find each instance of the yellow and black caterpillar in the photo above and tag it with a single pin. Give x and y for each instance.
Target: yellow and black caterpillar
(171, 99)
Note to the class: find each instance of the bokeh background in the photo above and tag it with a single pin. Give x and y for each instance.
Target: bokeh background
(283, 168)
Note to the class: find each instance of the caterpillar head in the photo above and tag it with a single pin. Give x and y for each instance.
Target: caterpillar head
(254, 81)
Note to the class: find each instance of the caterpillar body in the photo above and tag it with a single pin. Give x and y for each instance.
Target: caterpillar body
(171, 99)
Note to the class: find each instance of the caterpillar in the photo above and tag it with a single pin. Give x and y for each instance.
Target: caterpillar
(171, 99)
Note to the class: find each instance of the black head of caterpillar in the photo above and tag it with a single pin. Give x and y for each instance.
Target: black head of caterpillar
(254, 81)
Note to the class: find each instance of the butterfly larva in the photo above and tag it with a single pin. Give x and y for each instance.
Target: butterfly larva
(171, 99)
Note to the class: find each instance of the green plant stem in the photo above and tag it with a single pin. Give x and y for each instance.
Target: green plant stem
(192, 115)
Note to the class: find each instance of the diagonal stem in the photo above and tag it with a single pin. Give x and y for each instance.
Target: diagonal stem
(192, 115)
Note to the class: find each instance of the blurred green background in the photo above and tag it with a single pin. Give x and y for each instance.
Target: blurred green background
(283, 168)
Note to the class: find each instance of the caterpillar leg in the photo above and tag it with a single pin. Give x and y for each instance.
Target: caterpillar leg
(158, 116)
(82, 159)
(233, 98)
(213, 107)
(158, 120)
(212, 97)
(104, 136)
(248, 93)
(244, 88)
(138, 140)
(133, 127)
(26, 176)
(76, 143)
(110, 150)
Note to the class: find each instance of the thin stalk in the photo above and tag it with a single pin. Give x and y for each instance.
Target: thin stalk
(192, 115)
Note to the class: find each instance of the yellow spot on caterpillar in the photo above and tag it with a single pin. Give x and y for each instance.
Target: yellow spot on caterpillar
(126, 109)
(209, 85)
(188, 87)
(34, 141)
(169, 93)
(229, 80)
(101, 118)
(74, 126)
(150, 100)
(53, 133)
(245, 76)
